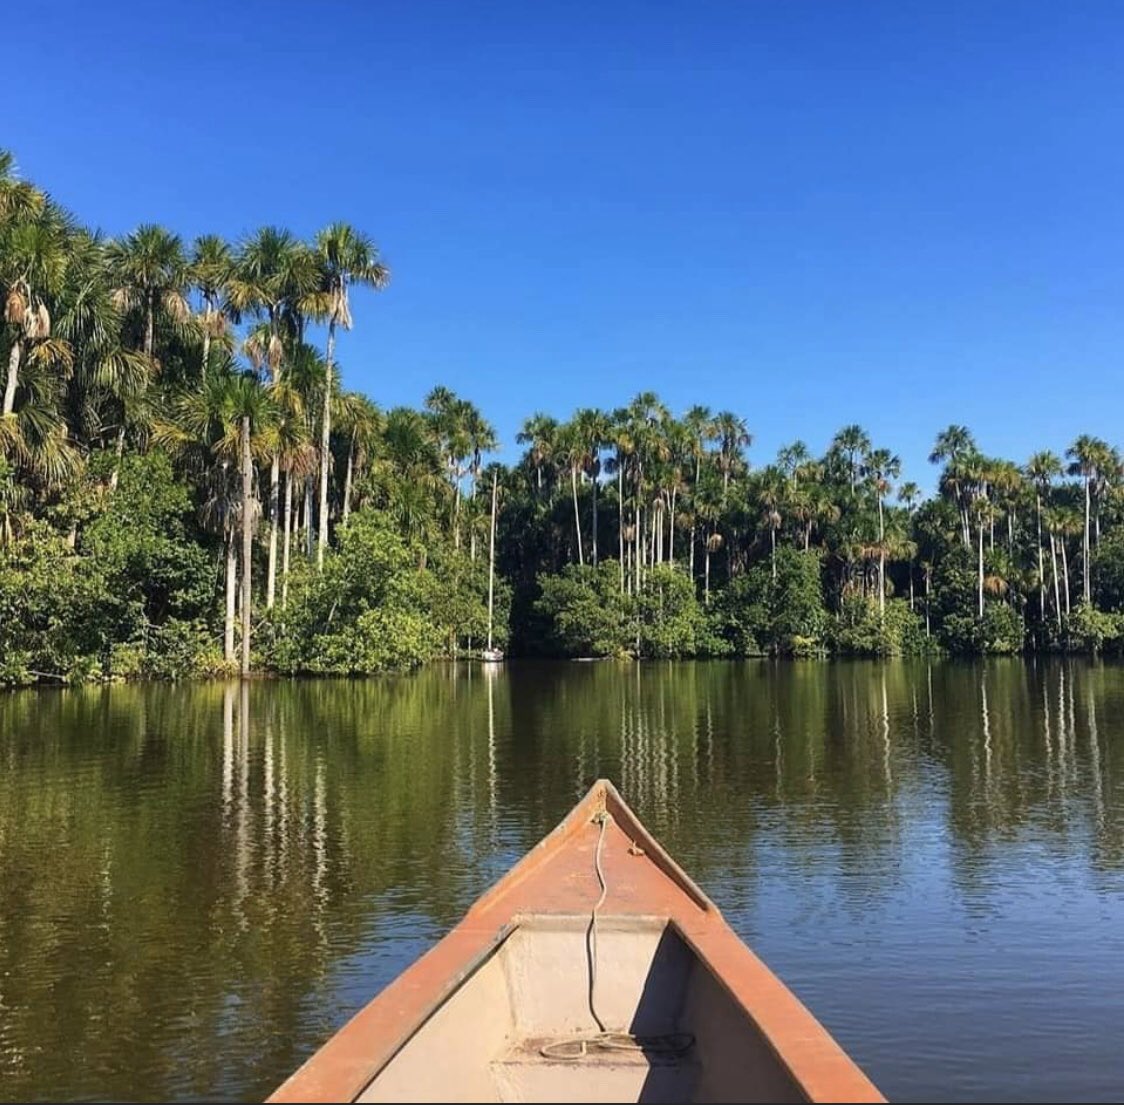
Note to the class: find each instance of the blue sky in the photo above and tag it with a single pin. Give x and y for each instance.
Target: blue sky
(810, 213)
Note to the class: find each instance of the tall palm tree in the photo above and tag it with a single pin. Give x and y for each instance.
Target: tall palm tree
(150, 273)
(274, 274)
(853, 443)
(210, 270)
(571, 449)
(210, 428)
(1090, 456)
(481, 438)
(592, 431)
(1042, 469)
(539, 434)
(909, 495)
(772, 493)
(347, 258)
(34, 254)
(955, 445)
(882, 466)
(733, 436)
(362, 423)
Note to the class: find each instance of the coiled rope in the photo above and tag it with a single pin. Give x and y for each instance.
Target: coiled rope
(578, 1047)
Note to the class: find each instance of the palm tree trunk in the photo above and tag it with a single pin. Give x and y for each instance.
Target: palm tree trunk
(247, 541)
(119, 449)
(620, 519)
(347, 481)
(980, 576)
(325, 446)
(671, 530)
(274, 518)
(231, 590)
(881, 562)
(1065, 572)
(911, 584)
(594, 547)
(14, 356)
(577, 515)
(1086, 588)
(1057, 590)
(638, 558)
(773, 550)
(287, 529)
(208, 314)
(706, 577)
(928, 575)
(691, 556)
(308, 509)
(1041, 566)
(150, 324)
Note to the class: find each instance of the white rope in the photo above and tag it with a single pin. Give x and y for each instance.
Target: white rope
(578, 1047)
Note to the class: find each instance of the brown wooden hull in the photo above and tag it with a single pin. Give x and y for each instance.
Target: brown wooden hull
(503, 1008)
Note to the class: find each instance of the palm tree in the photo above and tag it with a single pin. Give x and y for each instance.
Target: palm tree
(212, 265)
(362, 422)
(539, 433)
(447, 415)
(1042, 469)
(347, 258)
(909, 495)
(274, 274)
(480, 437)
(206, 428)
(591, 429)
(955, 445)
(733, 436)
(852, 442)
(34, 254)
(771, 494)
(571, 449)
(149, 273)
(1091, 457)
(882, 467)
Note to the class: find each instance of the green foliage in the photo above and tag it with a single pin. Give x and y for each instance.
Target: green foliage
(671, 621)
(784, 615)
(131, 599)
(585, 611)
(1087, 629)
(368, 611)
(1108, 572)
(860, 630)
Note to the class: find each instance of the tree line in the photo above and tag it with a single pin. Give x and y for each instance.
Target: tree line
(186, 488)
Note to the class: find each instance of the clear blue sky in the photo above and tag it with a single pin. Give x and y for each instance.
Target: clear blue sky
(810, 213)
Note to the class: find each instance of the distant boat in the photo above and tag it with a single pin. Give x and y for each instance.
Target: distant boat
(491, 655)
(595, 970)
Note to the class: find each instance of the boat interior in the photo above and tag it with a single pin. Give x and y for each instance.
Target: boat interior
(521, 1026)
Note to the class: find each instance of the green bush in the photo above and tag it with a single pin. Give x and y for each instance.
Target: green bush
(784, 615)
(586, 613)
(859, 629)
(1086, 629)
(368, 611)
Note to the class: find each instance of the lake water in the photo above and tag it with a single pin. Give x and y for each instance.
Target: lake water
(199, 883)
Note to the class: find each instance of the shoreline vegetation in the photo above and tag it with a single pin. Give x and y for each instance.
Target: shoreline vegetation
(186, 489)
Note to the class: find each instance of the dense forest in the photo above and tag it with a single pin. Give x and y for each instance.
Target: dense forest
(186, 488)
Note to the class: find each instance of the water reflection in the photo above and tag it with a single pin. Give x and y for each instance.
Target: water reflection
(198, 883)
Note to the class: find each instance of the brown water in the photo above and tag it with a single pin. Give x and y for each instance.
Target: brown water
(199, 883)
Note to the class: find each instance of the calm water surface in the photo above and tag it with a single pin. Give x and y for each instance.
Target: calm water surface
(199, 883)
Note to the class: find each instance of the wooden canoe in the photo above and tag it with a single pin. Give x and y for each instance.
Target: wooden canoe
(594, 970)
